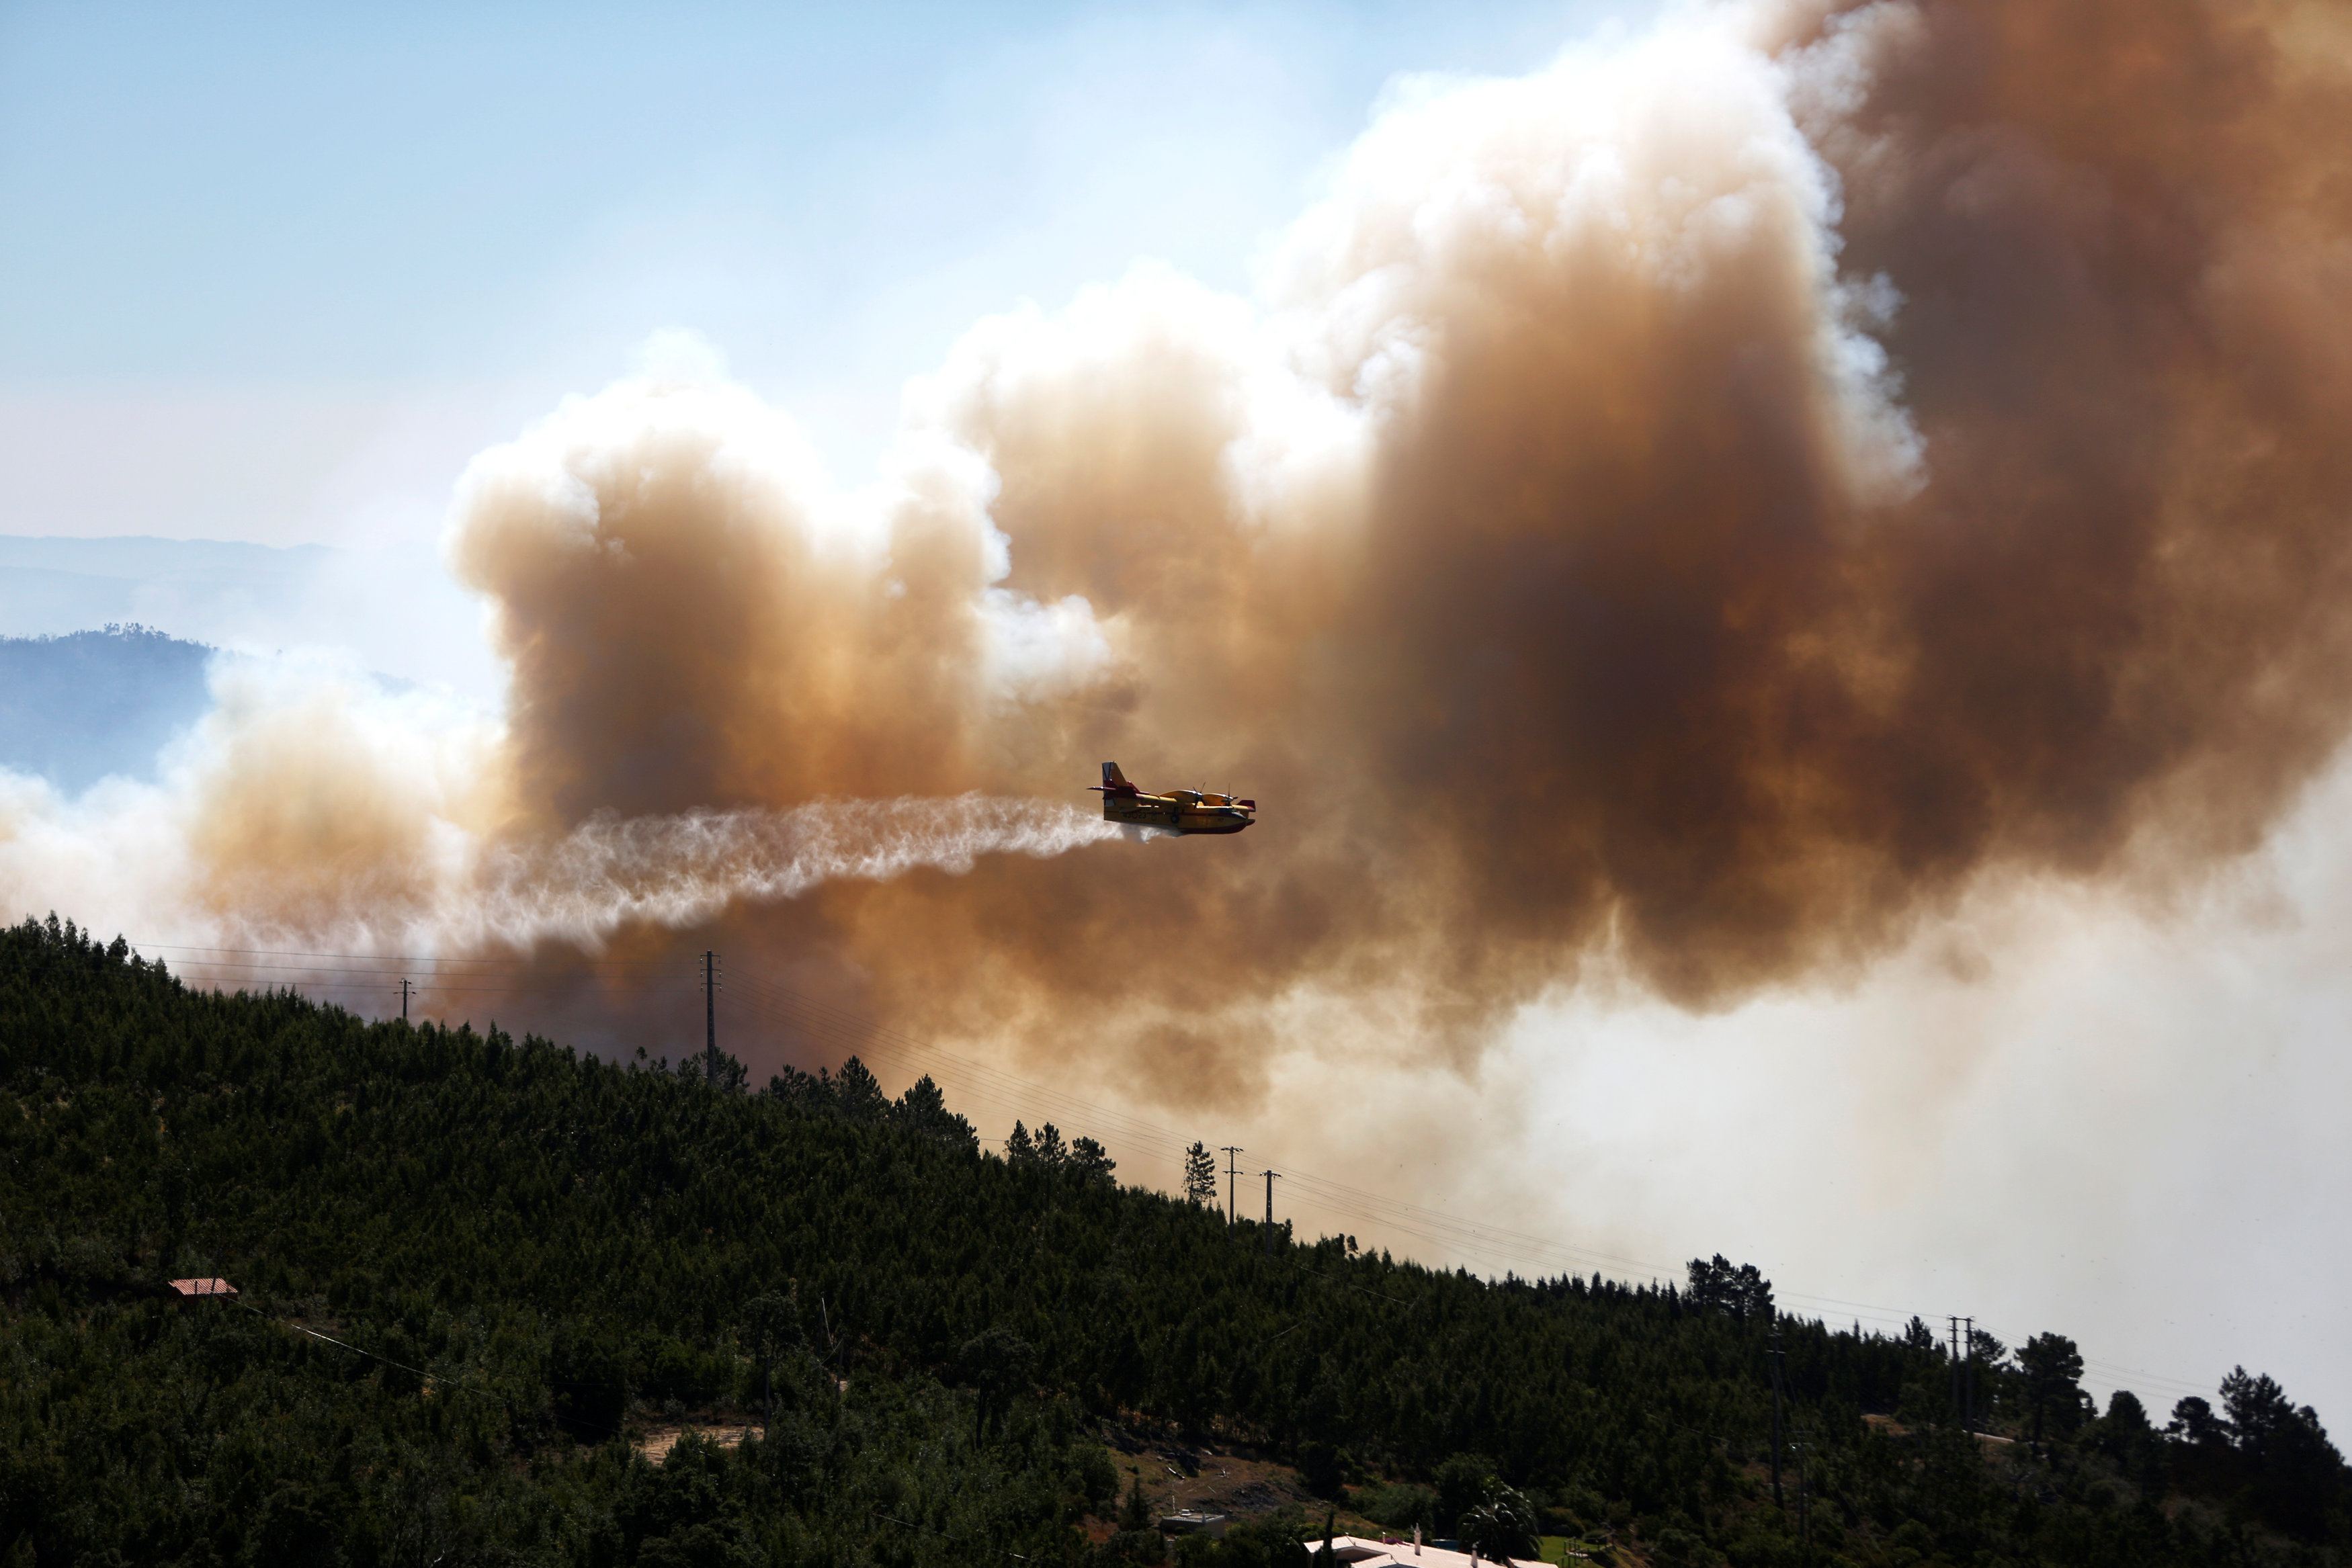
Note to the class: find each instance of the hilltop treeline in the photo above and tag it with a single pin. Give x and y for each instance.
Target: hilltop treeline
(516, 1256)
(77, 707)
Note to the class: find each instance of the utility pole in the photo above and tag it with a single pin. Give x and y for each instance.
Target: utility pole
(1271, 1177)
(1805, 1497)
(1776, 1354)
(711, 1018)
(1958, 1411)
(1233, 1192)
(1968, 1377)
(403, 1000)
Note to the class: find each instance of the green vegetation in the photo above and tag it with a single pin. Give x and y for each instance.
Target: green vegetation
(531, 1255)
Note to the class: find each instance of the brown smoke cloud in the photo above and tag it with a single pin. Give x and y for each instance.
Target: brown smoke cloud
(1709, 506)
(1621, 595)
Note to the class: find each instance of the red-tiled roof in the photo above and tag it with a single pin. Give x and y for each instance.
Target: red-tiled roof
(204, 1287)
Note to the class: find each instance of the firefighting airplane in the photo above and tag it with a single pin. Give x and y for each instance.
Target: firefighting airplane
(1177, 812)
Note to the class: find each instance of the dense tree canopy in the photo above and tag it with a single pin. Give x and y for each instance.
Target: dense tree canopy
(471, 1265)
(2051, 1368)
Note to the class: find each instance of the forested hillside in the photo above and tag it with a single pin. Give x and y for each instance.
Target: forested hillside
(75, 708)
(518, 1258)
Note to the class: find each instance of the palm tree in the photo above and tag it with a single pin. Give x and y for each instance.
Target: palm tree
(1502, 1527)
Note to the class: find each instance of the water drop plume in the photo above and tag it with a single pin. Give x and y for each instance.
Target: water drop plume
(614, 872)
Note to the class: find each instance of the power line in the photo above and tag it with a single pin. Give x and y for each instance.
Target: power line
(824, 1021)
(472, 977)
(828, 1024)
(392, 972)
(839, 1026)
(598, 962)
(417, 1372)
(1495, 1245)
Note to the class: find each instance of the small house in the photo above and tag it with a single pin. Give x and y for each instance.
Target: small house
(1351, 1550)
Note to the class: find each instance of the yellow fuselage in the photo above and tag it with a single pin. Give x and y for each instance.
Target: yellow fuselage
(1179, 811)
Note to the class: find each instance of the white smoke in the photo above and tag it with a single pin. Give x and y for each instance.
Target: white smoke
(313, 807)
(681, 870)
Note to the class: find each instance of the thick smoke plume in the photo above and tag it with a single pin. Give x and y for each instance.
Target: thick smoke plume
(1706, 506)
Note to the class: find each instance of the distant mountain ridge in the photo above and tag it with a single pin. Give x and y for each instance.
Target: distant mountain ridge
(55, 586)
(75, 708)
(389, 607)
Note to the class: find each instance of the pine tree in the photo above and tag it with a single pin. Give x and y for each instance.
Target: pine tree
(924, 1109)
(1135, 1513)
(1090, 1160)
(771, 1323)
(1200, 1173)
(2052, 1366)
(1740, 1294)
(858, 1095)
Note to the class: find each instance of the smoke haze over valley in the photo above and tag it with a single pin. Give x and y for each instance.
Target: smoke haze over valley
(1779, 579)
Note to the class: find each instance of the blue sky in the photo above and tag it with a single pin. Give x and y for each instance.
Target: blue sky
(274, 273)
(333, 217)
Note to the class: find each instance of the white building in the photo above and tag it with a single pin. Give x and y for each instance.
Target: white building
(1355, 1551)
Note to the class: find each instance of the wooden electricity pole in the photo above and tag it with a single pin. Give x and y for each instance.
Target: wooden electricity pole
(1968, 1374)
(711, 1018)
(1955, 1321)
(1804, 1498)
(1778, 1356)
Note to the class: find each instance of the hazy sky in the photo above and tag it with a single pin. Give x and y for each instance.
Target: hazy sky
(305, 261)
(274, 273)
